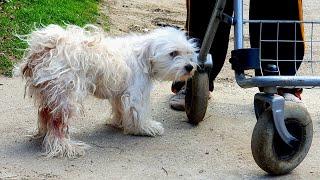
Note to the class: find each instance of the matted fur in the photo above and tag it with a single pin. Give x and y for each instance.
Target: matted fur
(62, 66)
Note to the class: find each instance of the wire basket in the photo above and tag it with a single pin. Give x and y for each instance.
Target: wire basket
(284, 50)
(289, 53)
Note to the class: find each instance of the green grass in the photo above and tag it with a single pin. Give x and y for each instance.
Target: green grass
(22, 16)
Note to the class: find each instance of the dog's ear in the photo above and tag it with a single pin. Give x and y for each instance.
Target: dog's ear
(146, 56)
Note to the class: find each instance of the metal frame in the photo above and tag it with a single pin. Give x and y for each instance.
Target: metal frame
(238, 27)
(204, 58)
(276, 102)
(270, 82)
(277, 81)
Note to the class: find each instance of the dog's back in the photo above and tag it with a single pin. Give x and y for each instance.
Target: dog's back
(73, 53)
(47, 44)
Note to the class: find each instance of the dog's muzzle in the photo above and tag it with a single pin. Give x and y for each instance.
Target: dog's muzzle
(188, 67)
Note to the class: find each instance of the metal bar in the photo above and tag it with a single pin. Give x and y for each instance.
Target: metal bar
(211, 31)
(277, 81)
(269, 40)
(261, 71)
(289, 60)
(278, 28)
(280, 21)
(311, 44)
(238, 28)
(295, 49)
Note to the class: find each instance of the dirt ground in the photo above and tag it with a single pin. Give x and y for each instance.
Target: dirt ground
(219, 148)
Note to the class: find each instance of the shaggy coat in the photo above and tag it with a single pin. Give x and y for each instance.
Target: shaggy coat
(62, 66)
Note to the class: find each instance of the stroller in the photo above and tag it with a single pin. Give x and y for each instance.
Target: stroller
(283, 133)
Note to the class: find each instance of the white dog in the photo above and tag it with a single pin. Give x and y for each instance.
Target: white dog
(64, 65)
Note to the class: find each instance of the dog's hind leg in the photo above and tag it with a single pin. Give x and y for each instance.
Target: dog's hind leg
(57, 142)
(57, 104)
(136, 116)
(42, 122)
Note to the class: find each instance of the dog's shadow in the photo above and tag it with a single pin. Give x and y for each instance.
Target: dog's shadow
(102, 137)
(108, 138)
(105, 137)
(26, 147)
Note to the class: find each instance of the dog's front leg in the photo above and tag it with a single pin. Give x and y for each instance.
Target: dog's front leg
(136, 114)
(117, 110)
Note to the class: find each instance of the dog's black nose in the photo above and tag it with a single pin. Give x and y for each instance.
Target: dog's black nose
(188, 67)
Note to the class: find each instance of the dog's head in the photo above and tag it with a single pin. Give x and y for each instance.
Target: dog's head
(171, 54)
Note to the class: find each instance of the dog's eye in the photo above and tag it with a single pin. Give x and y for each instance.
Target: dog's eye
(174, 53)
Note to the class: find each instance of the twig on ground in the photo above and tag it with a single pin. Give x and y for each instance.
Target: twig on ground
(108, 147)
(165, 170)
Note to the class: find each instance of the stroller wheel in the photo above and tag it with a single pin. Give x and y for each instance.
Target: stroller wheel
(270, 152)
(197, 94)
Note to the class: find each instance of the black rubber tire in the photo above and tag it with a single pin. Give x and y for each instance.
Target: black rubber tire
(197, 95)
(270, 152)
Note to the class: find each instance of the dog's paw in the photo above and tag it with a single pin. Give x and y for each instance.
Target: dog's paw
(63, 147)
(153, 128)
